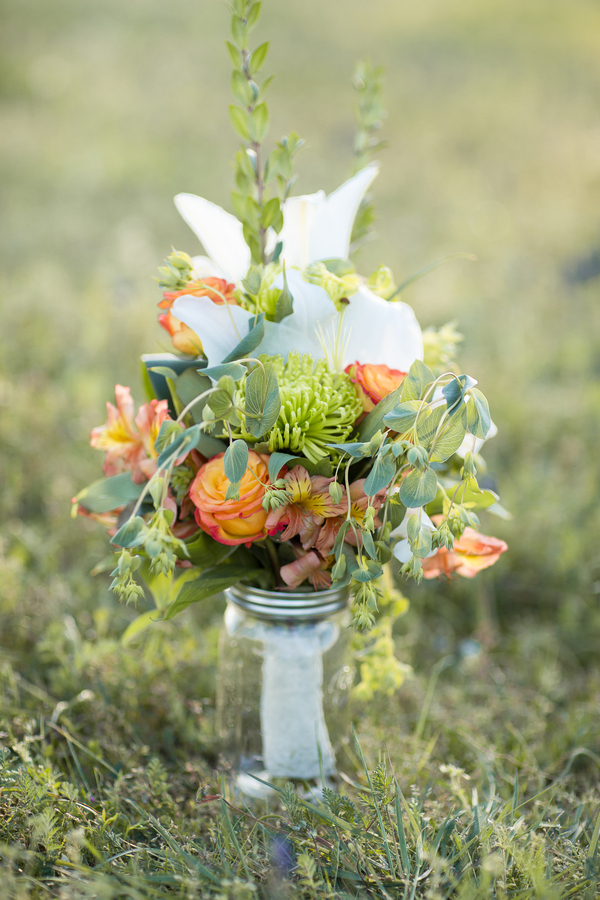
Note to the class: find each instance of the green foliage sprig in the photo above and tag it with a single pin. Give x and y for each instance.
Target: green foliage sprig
(253, 204)
(369, 111)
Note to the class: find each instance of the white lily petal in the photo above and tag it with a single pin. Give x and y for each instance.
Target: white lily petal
(219, 327)
(205, 268)
(299, 216)
(402, 530)
(402, 551)
(313, 311)
(380, 332)
(221, 234)
(332, 227)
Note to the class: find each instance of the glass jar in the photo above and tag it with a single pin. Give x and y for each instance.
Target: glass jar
(285, 674)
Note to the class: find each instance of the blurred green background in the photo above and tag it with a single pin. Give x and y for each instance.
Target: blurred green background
(110, 108)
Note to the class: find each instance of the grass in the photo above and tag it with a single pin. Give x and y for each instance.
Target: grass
(108, 109)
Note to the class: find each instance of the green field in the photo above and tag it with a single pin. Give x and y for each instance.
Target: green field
(109, 109)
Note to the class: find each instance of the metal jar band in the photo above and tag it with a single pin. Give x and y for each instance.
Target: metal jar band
(281, 606)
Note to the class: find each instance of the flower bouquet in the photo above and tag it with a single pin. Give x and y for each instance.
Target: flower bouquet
(305, 431)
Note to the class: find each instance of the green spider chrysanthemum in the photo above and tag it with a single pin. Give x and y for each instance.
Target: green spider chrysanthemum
(318, 407)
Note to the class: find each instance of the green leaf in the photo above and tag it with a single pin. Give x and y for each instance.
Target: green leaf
(235, 461)
(278, 460)
(419, 537)
(418, 488)
(143, 622)
(380, 475)
(253, 14)
(270, 212)
(454, 391)
(189, 385)
(165, 371)
(107, 494)
(204, 552)
(131, 534)
(232, 370)
(395, 511)
(209, 446)
(185, 442)
(403, 417)
(356, 449)
(478, 414)
(258, 122)
(169, 430)
(369, 544)
(370, 572)
(240, 88)
(245, 347)
(418, 377)
(373, 423)
(451, 436)
(234, 54)
(428, 425)
(263, 403)
(258, 57)
(208, 584)
(239, 120)
(285, 301)
(238, 31)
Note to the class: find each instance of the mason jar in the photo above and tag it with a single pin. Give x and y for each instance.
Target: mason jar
(284, 678)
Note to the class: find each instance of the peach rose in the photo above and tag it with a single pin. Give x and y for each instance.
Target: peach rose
(373, 383)
(184, 339)
(231, 521)
(471, 553)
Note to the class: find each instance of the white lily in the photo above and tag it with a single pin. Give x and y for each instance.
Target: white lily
(316, 226)
(402, 550)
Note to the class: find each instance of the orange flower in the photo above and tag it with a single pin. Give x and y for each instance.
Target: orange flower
(306, 565)
(471, 553)
(184, 339)
(309, 504)
(358, 507)
(231, 521)
(373, 383)
(128, 442)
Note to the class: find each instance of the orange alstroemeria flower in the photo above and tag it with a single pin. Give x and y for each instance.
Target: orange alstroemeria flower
(471, 553)
(307, 566)
(184, 339)
(231, 521)
(309, 505)
(373, 383)
(127, 441)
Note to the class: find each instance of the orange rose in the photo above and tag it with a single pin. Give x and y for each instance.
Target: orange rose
(231, 521)
(184, 338)
(471, 553)
(373, 383)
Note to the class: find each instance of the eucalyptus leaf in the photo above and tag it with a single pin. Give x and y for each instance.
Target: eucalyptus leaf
(451, 436)
(278, 460)
(416, 380)
(262, 402)
(245, 347)
(131, 534)
(478, 414)
(380, 475)
(402, 418)
(189, 385)
(418, 488)
(234, 370)
(235, 461)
